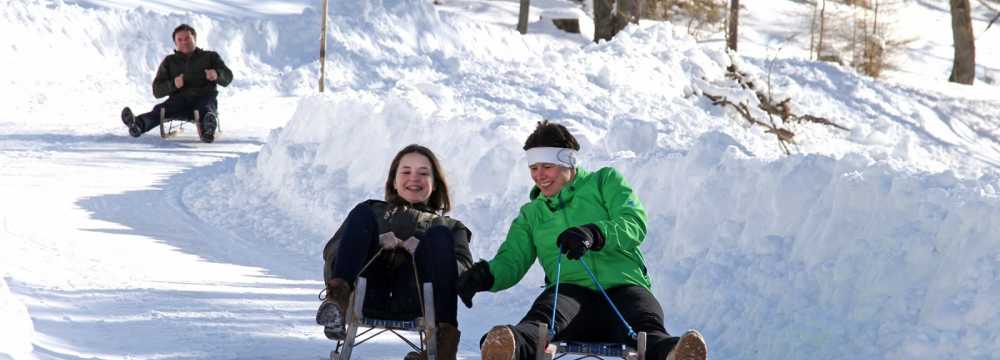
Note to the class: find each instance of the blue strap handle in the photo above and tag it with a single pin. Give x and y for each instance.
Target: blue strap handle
(555, 297)
(631, 333)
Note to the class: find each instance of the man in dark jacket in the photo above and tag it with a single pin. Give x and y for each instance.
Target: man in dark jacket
(188, 77)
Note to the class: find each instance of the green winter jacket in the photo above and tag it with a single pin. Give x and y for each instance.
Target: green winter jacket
(193, 67)
(602, 198)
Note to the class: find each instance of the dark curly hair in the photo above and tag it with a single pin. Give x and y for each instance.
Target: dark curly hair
(549, 134)
(184, 27)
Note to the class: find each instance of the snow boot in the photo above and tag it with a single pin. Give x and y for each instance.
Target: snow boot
(690, 347)
(332, 312)
(208, 125)
(447, 344)
(134, 129)
(498, 344)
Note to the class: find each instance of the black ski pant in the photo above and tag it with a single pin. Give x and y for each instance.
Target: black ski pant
(391, 291)
(584, 315)
(178, 106)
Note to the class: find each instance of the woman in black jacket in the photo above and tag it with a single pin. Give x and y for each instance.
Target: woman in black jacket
(385, 241)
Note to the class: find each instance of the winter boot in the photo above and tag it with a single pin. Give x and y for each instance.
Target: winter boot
(690, 347)
(498, 344)
(332, 312)
(208, 125)
(134, 129)
(447, 344)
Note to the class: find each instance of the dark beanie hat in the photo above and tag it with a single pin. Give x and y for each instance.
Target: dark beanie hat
(549, 134)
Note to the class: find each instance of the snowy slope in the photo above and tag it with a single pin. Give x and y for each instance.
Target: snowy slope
(879, 242)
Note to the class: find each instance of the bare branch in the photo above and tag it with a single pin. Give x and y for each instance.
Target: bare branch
(992, 21)
(766, 103)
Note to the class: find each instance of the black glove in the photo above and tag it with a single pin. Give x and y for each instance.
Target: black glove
(477, 278)
(404, 221)
(575, 241)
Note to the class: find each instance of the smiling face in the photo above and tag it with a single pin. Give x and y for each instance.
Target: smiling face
(185, 42)
(550, 178)
(414, 178)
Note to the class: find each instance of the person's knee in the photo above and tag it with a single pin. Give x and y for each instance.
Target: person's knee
(439, 240)
(362, 211)
(440, 236)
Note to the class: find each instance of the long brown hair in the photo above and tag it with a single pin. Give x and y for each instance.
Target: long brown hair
(439, 199)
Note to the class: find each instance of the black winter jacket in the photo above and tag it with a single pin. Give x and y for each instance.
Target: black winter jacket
(193, 67)
(405, 221)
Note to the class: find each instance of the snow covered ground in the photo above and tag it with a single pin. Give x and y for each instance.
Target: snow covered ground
(881, 242)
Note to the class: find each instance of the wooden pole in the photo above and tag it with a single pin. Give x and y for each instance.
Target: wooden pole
(322, 48)
(522, 17)
(732, 37)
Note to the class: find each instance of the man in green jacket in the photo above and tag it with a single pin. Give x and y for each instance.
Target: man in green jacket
(188, 77)
(576, 217)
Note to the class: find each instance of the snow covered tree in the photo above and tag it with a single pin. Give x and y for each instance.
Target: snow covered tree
(963, 69)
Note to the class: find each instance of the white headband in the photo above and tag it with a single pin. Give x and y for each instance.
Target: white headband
(552, 155)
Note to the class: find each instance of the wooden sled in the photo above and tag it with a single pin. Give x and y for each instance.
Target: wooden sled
(582, 350)
(172, 127)
(424, 327)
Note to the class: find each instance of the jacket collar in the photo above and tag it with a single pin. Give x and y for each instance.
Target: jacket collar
(197, 50)
(420, 206)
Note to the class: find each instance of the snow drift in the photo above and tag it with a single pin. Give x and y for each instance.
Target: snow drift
(879, 242)
(858, 245)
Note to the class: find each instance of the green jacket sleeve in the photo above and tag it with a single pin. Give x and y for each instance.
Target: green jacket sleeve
(626, 226)
(225, 75)
(163, 83)
(515, 256)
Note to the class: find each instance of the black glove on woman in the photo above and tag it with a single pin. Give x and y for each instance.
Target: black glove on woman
(477, 278)
(575, 241)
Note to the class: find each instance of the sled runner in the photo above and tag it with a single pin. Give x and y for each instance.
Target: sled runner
(173, 127)
(556, 350)
(423, 326)
(548, 350)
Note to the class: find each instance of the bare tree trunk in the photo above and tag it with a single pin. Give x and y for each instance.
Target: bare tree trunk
(734, 23)
(812, 31)
(822, 29)
(522, 17)
(608, 19)
(871, 52)
(854, 32)
(963, 70)
(865, 40)
(630, 9)
(322, 49)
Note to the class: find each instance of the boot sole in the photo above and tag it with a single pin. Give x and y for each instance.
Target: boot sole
(207, 132)
(499, 344)
(690, 347)
(127, 117)
(331, 319)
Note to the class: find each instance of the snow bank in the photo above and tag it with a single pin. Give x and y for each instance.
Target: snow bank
(862, 244)
(820, 256)
(18, 330)
(805, 254)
